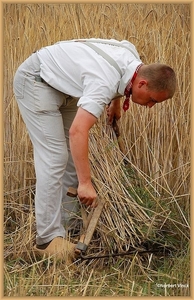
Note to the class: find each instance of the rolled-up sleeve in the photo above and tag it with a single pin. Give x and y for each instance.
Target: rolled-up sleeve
(92, 107)
(97, 93)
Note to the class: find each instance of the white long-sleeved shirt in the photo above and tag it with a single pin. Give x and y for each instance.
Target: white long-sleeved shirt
(77, 70)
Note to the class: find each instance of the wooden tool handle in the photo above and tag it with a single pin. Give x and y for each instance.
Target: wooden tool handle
(92, 221)
(72, 192)
(85, 238)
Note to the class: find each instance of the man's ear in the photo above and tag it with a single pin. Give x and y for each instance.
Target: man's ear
(142, 82)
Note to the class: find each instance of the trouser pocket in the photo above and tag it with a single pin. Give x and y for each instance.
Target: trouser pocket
(47, 99)
(19, 84)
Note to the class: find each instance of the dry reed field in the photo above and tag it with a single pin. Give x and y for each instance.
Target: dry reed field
(146, 189)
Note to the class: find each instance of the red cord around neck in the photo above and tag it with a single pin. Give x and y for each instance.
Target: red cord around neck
(128, 90)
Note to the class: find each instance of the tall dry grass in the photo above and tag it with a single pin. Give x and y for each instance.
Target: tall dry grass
(147, 200)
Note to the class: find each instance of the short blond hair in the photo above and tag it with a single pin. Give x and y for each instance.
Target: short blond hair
(160, 77)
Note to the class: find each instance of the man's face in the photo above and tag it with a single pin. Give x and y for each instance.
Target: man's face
(146, 97)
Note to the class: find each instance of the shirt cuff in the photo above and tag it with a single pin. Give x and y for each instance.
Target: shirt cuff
(91, 106)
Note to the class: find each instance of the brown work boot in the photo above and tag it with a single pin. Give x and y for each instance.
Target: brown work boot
(59, 248)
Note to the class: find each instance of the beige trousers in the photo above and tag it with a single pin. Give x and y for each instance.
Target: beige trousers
(48, 115)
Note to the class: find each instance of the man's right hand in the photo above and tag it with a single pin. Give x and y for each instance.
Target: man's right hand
(87, 194)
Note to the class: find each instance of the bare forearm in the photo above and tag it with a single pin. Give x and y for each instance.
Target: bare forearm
(78, 136)
(79, 151)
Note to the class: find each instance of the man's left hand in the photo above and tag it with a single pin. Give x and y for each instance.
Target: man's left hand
(113, 110)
